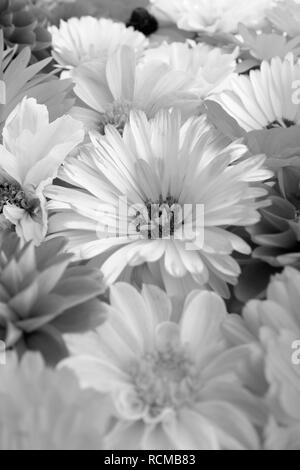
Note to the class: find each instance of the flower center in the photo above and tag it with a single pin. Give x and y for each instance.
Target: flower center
(285, 123)
(117, 115)
(159, 220)
(12, 193)
(165, 380)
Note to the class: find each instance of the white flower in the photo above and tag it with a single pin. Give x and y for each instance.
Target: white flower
(207, 68)
(275, 325)
(81, 40)
(268, 98)
(43, 409)
(173, 385)
(213, 16)
(32, 151)
(111, 90)
(266, 46)
(285, 16)
(169, 173)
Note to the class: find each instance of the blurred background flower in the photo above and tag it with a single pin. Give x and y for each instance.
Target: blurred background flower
(174, 384)
(43, 296)
(33, 150)
(78, 41)
(42, 409)
(25, 24)
(274, 324)
(208, 68)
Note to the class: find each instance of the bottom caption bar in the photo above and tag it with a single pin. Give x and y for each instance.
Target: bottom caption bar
(135, 459)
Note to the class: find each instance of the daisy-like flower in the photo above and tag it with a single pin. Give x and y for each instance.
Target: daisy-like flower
(140, 199)
(213, 16)
(111, 90)
(77, 41)
(285, 16)
(207, 68)
(42, 409)
(266, 46)
(267, 99)
(173, 385)
(19, 79)
(275, 325)
(33, 150)
(42, 296)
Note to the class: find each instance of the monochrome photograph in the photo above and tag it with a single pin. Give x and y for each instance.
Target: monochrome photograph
(150, 227)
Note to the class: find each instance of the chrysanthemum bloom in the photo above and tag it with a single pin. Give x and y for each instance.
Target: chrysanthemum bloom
(81, 40)
(174, 385)
(42, 296)
(265, 46)
(275, 325)
(285, 16)
(33, 150)
(207, 68)
(213, 16)
(140, 199)
(112, 90)
(42, 409)
(24, 24)
(268, 98)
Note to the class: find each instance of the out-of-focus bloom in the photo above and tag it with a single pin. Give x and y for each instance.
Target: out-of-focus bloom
(173, 385)
(169, 173)
(275, 325)
(282, 438)
(266, 46)
(212, 16)
(33, 150)
(78, 41)
(18, 79)
(42, 297)
(112, 90)
(207, 68)
(285, 16)
(25, 24)
(42, 409)
(268, 98)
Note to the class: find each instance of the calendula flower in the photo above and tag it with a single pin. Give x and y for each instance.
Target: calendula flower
(78, 41)
(285, 16)
(207, 68)
(20, 80)
(213, 16)
(33, 150)
(266, 46)
(275, 325)
(267, 99)
(141, 198)
(173, 385)
(43, 409)
(112, 90)
(43, 296)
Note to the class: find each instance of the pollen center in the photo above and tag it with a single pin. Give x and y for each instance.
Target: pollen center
(117, 115)
(285, 123)
(165, 380)
(159, 220)
(13, 194)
